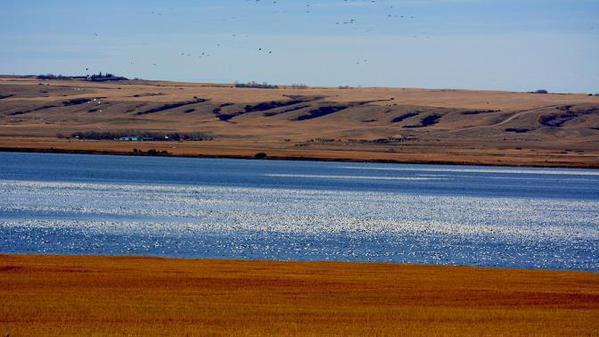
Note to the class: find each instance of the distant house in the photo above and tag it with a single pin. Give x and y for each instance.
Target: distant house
(131, 139)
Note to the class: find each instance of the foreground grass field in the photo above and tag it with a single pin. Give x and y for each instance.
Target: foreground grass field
(128, 296)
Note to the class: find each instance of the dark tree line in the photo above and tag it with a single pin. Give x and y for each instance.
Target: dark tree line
(93, 78)
(145, 136)
(253, 84)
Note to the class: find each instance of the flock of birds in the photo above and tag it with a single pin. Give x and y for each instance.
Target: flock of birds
(389, 12)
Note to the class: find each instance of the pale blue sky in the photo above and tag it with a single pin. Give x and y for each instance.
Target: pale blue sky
(479, 44)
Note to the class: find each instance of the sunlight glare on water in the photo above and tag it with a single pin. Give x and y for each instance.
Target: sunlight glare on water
(216, 208)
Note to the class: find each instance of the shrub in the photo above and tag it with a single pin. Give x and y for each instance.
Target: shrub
(254, 84)
(260, 155)
(143, 135)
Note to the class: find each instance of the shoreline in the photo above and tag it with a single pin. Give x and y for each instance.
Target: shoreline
(296, 158)
(74, 295)
(274, 261)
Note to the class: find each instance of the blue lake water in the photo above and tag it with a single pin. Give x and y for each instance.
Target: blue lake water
(299, 210)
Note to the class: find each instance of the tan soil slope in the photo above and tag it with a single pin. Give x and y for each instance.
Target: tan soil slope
(361, 124)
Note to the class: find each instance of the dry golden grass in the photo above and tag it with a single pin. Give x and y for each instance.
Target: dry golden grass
(474, 127)
(415, 154)
(129, 296)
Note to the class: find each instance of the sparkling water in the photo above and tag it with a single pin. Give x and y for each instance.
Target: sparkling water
(299, 210)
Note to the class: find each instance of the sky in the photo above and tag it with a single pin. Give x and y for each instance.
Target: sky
(518, 45)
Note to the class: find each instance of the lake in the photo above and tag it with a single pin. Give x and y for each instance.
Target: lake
(540, 218)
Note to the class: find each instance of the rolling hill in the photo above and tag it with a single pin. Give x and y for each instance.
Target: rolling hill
(370, 124)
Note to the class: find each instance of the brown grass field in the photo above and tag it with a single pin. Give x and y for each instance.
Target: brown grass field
(364, 124)
(130, 296)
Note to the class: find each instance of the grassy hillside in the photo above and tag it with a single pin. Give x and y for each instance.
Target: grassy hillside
(329, 123)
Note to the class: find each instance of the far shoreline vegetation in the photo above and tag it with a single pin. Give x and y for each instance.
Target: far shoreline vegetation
(266, 156)
(138, 136)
